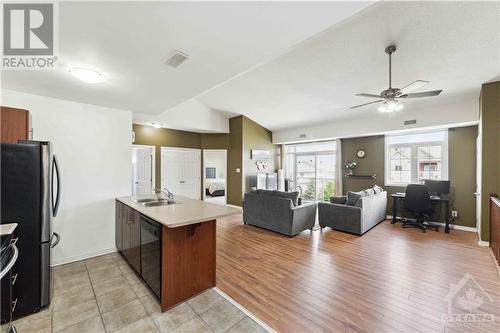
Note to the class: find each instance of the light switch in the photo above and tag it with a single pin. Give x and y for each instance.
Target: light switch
(237, 170)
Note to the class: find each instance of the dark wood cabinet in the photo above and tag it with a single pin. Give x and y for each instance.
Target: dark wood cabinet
(119, 226)
(14, 124)
(128, 234)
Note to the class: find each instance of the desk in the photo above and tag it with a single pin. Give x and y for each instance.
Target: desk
(398, 196)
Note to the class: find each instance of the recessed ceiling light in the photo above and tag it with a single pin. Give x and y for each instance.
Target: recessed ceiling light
(157, 125)
(87, 75)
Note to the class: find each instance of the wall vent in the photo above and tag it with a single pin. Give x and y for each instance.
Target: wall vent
(175, 59)
(410, 122)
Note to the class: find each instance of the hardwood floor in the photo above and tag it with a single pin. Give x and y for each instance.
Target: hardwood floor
(389, 280)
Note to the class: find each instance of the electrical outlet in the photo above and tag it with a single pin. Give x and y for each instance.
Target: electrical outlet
(454, 213)
(238, 170)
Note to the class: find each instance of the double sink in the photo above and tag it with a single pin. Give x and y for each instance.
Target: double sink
(153, 201)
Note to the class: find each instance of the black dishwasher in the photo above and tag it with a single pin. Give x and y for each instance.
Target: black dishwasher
(151, 253)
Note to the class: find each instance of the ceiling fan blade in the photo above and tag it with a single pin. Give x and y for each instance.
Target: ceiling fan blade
(368, 95)
(357, 106)
(413, 86)
(422, 94)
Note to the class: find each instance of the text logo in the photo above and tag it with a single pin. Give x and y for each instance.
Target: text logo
(28, 35)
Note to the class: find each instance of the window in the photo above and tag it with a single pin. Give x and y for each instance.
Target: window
(411, 158)
(311, 169)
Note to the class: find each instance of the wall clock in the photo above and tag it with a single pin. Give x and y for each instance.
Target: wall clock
(361, 153)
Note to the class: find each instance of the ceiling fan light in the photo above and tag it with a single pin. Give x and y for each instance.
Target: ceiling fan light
(390, 106)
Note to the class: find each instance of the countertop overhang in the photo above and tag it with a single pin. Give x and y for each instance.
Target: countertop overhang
(184, 212)
(7, 229)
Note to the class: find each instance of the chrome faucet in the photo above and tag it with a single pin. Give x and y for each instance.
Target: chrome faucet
(170, 195)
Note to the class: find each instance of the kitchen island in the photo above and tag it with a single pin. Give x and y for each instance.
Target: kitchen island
(171, 246)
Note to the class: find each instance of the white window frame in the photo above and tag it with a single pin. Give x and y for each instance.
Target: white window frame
(414, 157)
(314, 153)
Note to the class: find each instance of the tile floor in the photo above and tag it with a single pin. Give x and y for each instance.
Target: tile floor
(103, 294)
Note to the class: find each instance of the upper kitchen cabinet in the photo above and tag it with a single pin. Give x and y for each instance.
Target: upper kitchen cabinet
(14, 124)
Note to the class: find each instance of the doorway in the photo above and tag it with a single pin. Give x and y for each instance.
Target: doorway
(215, 176)
(143, 169)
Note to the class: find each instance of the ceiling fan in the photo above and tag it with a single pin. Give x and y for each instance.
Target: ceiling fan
(389, 97)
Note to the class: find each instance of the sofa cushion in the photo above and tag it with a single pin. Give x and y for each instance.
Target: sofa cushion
(294, 196)
(338, 200)
(353, 197)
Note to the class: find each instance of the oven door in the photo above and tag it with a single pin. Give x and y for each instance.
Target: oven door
(151, 254)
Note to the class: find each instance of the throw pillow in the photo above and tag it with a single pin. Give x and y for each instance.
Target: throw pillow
(378, 189)
(369, 192)
(338, 200)
(353, 197)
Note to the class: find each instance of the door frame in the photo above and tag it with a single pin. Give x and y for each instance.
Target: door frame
(163, 148)
(477, 193)
(153, 165)
(203, 172)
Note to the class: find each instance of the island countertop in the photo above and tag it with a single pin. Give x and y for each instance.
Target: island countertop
(184, 212)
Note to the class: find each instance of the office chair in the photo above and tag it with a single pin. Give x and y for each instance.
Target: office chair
(418, 204)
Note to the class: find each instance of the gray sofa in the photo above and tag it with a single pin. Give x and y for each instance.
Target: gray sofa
(278, 211)
(355, 213)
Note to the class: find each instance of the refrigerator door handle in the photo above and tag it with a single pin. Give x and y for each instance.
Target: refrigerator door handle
(55, 167)
(58, 238)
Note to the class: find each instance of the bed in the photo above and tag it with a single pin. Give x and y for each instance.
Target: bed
(215, 188)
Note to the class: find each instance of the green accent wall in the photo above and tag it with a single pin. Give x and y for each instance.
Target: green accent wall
(461, 171)
(244, 135)
(256, 137)
(234, 160)
(489, 111)
(164, 137)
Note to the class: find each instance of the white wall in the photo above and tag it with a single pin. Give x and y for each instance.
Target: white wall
(93, 147)
(457, 112)
(188, 116)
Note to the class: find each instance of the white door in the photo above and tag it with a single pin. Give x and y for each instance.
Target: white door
(191, 174)
(142, 170)
(180, 171)
(478, 184)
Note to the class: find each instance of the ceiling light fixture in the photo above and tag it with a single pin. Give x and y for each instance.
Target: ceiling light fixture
(87, 75)
(157, 125)
(390, 106)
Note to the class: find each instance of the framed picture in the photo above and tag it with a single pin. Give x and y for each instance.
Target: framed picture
(210, 173)
(258, 154)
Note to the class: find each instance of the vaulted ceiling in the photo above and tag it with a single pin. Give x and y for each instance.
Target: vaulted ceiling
(283, 64)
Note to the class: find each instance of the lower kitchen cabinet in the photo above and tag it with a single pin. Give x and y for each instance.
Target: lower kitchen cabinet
(128, 226)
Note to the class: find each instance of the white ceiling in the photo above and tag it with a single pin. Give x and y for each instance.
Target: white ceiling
(282, 64)
(455, 45)
(128, 41)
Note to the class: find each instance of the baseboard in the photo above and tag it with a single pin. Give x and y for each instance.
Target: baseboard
(82, 257)
(234, 206)
(245, 311)
(483, 243)
(452, 226)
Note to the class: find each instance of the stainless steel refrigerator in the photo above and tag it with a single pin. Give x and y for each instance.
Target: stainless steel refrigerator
(30, 195)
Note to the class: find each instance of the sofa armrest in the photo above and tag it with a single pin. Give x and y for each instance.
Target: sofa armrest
(303, 217)
(340, 217)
